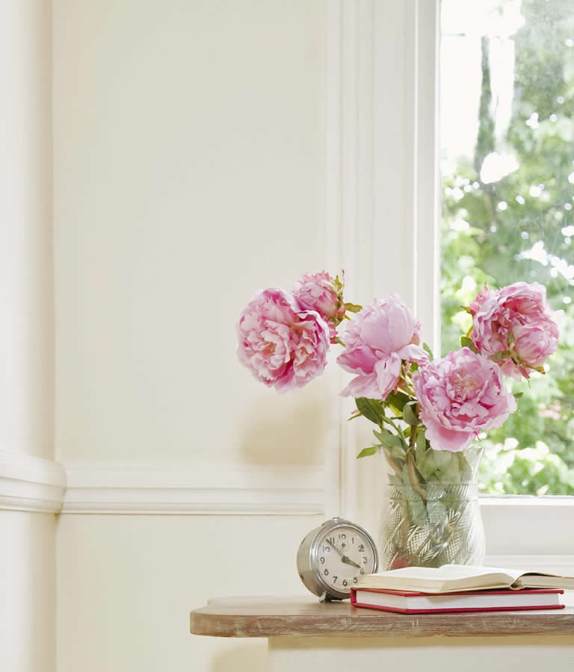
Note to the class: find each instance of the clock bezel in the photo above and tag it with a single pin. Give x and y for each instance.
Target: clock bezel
(311, 573)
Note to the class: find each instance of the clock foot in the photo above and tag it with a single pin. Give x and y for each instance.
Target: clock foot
(325, 597)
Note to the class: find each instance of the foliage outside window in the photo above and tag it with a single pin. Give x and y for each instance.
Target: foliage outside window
(507, 123)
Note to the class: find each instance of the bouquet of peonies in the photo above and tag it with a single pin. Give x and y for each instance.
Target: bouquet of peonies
(427, 411)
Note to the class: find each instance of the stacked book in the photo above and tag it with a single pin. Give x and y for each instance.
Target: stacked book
(459, 588)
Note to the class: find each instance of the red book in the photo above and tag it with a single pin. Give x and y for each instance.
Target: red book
(432, 603)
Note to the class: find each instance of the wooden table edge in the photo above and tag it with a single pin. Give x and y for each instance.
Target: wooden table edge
(221, 620)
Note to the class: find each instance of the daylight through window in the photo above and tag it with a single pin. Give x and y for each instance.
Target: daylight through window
(507, 162)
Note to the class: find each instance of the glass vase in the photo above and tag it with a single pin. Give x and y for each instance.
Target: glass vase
(434, 520)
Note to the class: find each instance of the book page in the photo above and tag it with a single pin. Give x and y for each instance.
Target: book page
(439, 574)
(448, 578)
(542, 579)
(453, 578)
(481, 570)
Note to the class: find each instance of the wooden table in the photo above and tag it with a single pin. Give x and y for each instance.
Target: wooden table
(304, 635)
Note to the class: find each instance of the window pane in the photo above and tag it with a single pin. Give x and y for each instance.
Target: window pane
(507, 159)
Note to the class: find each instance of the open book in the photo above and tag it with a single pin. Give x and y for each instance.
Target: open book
(461, 578)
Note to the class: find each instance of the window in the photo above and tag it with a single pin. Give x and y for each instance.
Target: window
(507, 164)
(392, 68)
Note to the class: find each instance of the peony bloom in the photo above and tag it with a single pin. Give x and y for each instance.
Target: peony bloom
(283, 347)
(460, 396)
(318, 292)
(479, 300)
(377, 340)
(514, 327)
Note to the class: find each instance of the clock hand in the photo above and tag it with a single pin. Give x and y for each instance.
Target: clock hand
(332, 545)
(344, 558)
(348, 561)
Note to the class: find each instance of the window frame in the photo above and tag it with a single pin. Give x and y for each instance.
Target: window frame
(387, 188)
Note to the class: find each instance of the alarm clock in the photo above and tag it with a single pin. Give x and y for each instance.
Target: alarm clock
(331, 558)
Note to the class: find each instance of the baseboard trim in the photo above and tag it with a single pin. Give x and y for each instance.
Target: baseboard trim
(30, 483)
(191, 490)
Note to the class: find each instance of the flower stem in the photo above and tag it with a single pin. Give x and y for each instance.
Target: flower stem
(411, 468)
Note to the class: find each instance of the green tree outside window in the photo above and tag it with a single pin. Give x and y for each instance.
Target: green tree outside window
(508, 215)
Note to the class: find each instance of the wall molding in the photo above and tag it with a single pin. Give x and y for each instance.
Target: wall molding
(33, 484)
(30, 483)
(193, 490)
(38, 485)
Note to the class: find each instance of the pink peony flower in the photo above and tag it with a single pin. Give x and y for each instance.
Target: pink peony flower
(377, 340)
(514, 327)
(318, 292)
(283, 346)
(460, 396)
(479, 299)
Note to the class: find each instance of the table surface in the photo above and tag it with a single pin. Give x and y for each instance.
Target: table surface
(302, 616)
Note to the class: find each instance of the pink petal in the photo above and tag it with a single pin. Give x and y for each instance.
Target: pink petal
(413, 353)
(361, 358)
(363, 386)
(442, 438)
(388, 372)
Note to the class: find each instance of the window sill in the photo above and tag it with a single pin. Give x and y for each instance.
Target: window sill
(526, 525)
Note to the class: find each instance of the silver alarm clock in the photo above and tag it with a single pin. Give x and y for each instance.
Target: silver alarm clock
(331, 558)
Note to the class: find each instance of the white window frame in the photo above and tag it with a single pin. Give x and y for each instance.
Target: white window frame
(383, 191)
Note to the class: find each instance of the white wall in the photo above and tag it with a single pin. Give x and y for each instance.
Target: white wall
(27, 536)
(27, 592)
(25, 228)
(189, 171)
(128, 583)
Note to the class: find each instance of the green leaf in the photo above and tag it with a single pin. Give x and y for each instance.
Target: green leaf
(499, 356)
(427, 349)
(392, 441)
(397, 400)
(424, 458)
(415, 505)
(380, 434)
(371, 450)
(420, 447)
(442, 458)
(409, 414)
(338, 283)
(353, 307)
(464, 467)
(466, 342)
(372, 409)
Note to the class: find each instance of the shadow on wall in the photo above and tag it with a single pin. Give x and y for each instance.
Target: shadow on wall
(288, 429)
(241, 659)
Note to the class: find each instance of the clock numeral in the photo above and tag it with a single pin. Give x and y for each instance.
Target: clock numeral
(322, 560)
(335, 577)
(342, 535)
(364, 559)
(326, 572)
(361, 548)
(355, 579)
(345, 583)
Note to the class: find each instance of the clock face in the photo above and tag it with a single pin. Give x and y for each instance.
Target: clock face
(342, 555)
